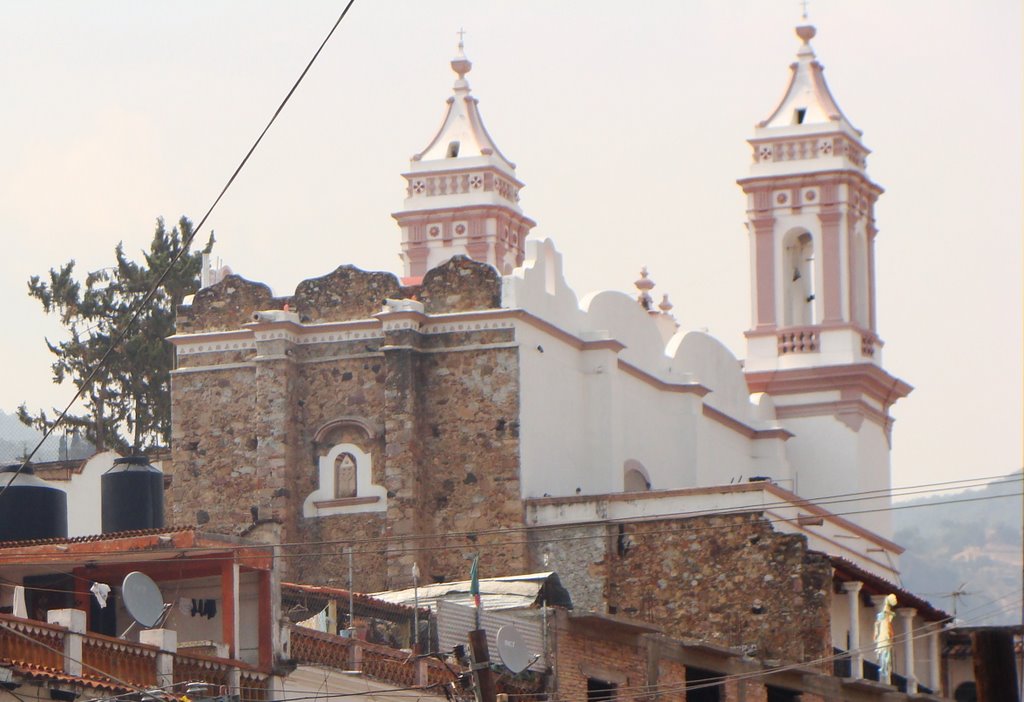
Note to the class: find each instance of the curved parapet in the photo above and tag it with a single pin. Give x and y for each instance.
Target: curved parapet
(713, 365)
(539, 286)
(627, 322)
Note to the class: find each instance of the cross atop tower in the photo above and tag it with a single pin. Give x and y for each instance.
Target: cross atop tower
(803, 8)
(462, 34)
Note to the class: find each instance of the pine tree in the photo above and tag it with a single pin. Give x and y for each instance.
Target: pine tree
(127, 405)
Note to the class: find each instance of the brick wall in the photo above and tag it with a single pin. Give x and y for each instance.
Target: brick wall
(598, 650)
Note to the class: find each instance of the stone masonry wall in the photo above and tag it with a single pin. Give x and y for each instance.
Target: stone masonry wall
(727, 579)
(437, 412)
(578, 554)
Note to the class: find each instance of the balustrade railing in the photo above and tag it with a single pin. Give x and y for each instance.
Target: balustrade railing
(254, 686)
(373, 660)
(798, 341)
(194, 668)
(121, 660)
(30, 641)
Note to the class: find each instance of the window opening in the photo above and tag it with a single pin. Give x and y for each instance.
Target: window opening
(799, 114)
(701, 685)
(799, 280)
(453, 149)
(781, 694)
(599, 690)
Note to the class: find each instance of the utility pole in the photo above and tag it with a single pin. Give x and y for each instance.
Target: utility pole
(351, 599)
(995, 670)
(482, 666)
(416, 608)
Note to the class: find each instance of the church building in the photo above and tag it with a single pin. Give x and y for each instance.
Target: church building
(476, 404)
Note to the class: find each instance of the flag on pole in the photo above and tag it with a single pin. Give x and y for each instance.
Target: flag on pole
(474, 580)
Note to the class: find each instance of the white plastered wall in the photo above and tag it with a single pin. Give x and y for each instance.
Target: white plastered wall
(832, 460)
(84, 495)
(583, 416)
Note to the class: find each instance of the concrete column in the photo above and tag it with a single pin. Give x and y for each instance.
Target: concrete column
(167, 641)
(74, 621)
(229, 585)
(275, 687)
(852, 590)
(906, 615)
(234, 681)
(934, 659)
(355, 660)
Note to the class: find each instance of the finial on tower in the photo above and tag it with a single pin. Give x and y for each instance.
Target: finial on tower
(460, 64)
(644, 285)
(803, 9)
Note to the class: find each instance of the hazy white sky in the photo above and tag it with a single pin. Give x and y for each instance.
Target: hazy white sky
(628, 124)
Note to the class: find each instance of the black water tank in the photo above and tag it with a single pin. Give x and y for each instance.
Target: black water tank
(31, 508)
(132, 496)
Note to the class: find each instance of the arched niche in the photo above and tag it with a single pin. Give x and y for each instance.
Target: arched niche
(635, 477)
(798, 278)
(343, 453)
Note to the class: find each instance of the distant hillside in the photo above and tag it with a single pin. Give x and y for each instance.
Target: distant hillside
(974, 543)
(16, 440)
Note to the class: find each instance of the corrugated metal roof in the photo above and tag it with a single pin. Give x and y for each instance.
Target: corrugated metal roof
(455, 621)
(495, 593)
(314, 682)
(341, 594)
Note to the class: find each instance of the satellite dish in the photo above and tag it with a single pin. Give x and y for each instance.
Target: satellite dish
(142, 598)
(512, 649)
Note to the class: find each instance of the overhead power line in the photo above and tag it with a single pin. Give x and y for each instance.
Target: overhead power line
(480, 544)
(186, 243)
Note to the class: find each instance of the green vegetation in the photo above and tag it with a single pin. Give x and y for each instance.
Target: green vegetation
(126, 406)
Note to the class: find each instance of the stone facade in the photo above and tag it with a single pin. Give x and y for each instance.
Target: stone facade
(728, 579)
(732, 580)
(435, 412)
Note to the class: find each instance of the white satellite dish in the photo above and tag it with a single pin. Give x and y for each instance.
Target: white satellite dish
(142, 598)
(512, 649)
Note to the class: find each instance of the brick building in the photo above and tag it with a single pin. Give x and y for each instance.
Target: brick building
(477, 405)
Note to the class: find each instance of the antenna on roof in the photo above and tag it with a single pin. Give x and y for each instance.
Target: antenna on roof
(142, 599)
(512, 650)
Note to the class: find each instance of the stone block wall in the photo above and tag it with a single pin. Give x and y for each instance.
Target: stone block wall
(731, 580)
(578, 554)
(728, 579)
(435, 407)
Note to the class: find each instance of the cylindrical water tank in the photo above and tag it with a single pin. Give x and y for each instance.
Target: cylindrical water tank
(132, 496)
(31, 508)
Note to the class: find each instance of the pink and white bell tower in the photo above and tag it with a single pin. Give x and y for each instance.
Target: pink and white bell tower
(462, 194)
(813, 343)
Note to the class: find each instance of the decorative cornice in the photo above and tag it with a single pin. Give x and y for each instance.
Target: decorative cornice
(864, 377)
(690, 388)
(746, 430)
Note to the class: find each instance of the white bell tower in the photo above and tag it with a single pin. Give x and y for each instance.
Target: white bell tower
(462, 194)
(813, 343)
